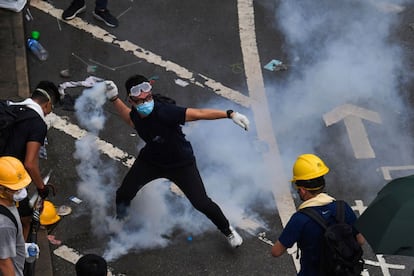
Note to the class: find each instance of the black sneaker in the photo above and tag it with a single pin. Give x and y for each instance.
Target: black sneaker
(75, 8)
(106, 17)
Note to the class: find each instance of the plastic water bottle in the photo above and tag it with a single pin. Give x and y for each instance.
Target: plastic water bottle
(32, 250)
(37, 49)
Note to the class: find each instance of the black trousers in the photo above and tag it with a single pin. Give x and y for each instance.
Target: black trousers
(187, 178)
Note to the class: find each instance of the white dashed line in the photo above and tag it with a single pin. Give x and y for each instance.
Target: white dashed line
(146, 55)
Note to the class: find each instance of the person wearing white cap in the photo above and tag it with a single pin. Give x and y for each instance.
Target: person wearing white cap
(13, 250)
(167, 154)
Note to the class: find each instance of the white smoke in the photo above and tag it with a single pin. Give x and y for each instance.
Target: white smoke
(89, 110)
(341, 52)
(157, 214)
(96, 185)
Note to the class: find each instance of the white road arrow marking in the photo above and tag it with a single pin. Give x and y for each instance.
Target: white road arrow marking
(352, 116)
(359, 206)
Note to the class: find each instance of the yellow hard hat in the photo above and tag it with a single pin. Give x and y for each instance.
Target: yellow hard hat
(13, 175)
(49, 215)
(308, 166)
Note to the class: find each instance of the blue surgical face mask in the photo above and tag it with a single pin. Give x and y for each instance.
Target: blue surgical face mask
(145, 108)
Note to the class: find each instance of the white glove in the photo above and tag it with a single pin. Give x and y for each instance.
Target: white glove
(26, 247)
(111, 90)
(240, 120)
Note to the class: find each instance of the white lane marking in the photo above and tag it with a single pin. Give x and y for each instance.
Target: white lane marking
(261, 111)
(285, 209)
(249, 225)
(77, 133)
(146, 55)
(384, 265)
(386, 170)
(352, 116)
(277, 179)
(359, 206)
(263, 238)
(117, 154)
(102, 34)
(364, 272)
(254, 77)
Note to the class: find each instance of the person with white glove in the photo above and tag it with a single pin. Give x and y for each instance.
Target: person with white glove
(239, 119)
(167, 153)
(111, 92)
(193, 114)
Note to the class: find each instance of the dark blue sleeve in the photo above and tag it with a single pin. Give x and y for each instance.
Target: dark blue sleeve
(291, 233)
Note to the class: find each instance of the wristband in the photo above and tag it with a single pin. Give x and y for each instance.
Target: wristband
(229, 112)
(114, 99)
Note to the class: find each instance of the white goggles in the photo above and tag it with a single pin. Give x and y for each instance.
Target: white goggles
(143, 87)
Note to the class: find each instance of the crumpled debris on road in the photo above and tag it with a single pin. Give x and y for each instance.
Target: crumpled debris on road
(75, 199)
(262, 237)
(65, 73)
(275, 65)
(181, 82)
(88, 82)
(64, 210)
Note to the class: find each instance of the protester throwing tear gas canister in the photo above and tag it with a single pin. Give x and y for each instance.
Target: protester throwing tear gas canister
(13, 250)
(167, 153)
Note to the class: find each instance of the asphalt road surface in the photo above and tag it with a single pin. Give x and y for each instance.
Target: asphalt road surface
(339, 87)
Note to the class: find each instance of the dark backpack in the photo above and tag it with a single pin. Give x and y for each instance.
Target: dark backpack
(9, 116)
(163, 99)
(341, 255)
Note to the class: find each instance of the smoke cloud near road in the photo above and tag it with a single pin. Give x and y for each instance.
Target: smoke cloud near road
(97, 183)
(160, 214)
(341, 52)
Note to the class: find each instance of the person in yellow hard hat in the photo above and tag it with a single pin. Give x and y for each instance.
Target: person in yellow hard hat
(308, 179)
(13, 181)
(49, 214)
